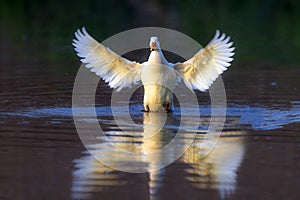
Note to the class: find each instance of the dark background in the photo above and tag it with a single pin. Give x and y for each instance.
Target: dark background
(265, 33)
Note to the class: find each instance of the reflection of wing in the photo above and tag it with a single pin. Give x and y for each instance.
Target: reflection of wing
(114, 69)
(219, 168)
(90, 176)
(202, 70)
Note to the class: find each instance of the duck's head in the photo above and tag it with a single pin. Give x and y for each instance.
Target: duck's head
(154, 44)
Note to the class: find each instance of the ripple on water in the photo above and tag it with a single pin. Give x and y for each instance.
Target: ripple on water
(259, 117)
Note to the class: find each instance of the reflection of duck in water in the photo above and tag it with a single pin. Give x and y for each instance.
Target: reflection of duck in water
(92, 176)
(155, 136)
(217, 170)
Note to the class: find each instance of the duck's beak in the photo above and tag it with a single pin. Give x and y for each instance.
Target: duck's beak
(152, 46)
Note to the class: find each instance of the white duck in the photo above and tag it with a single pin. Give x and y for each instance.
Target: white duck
(157, 74)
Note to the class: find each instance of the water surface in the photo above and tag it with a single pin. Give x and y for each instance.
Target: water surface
(256, 157)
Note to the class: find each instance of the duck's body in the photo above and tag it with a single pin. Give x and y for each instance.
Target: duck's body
(157, 75)
(158, 79)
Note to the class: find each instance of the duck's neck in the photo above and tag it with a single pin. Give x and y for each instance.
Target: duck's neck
(157, 57)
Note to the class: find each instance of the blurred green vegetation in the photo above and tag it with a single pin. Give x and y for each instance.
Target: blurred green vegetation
(266, 32)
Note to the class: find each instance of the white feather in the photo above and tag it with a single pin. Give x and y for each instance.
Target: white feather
(112, 68)
(203, 69)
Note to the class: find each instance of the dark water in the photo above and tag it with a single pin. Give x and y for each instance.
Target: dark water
(256, 157)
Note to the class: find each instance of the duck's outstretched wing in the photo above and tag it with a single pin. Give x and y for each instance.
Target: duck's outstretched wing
(117, 71)
(202, 70)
